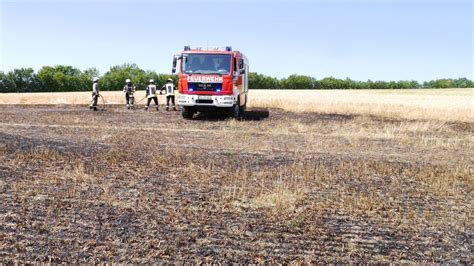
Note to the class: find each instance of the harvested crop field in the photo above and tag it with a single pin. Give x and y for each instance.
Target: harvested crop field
(278, 186)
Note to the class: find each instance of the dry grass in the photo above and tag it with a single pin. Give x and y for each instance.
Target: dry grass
(3, 149)
(329, 185)
(38, 153)
(439, 104)
(67, 98)
(446, 105)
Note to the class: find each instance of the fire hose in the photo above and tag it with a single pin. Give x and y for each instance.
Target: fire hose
(141, 100)
(103, 102)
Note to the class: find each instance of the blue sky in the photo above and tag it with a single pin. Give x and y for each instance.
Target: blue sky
(378, 39)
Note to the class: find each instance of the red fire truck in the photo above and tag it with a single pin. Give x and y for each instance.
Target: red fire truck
(212, 79)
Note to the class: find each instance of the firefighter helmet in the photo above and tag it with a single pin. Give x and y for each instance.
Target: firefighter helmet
(170, 80)
(95, 79)
(128, 81)
(152, 81)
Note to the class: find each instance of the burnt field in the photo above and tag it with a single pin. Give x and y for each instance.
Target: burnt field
(278, 186)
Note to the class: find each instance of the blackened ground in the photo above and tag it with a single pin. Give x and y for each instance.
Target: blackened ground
(137, 187)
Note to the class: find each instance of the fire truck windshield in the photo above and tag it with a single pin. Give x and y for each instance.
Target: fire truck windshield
(206, 64)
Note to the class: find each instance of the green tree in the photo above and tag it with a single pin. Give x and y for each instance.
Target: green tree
(62, 78)
(298, 82)
(6, 83)
(331, 83)
(409, 84)
(87, 76)
(25, 80)
(259, 81)
(160, 79)
(91, 73)
(462, 83)
(441, 83)
(114, 79)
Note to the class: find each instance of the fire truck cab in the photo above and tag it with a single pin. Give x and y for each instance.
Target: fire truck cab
(211, 79)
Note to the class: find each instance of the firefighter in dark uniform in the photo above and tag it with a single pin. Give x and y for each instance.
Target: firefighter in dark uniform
(95, 94)
(169, 89)
(129, 90)
(151, 95)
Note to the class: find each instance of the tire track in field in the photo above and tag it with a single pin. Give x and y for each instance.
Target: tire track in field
(195, 130)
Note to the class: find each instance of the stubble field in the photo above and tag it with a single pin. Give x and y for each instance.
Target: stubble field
(306, 176)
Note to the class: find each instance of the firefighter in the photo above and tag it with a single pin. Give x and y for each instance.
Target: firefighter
(129, 90)
(95, 94)
(151, 95)
(169, 88)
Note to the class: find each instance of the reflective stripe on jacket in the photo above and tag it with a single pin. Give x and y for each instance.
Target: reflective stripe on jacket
(169, 88)
(129, 88)
(151, 91)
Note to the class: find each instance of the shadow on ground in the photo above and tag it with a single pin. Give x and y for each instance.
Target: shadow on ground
(254, 114)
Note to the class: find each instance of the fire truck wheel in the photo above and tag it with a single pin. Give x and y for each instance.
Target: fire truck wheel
(236, 110)
(187, 112)
(244, 107)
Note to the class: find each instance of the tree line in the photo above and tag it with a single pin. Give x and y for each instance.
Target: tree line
(259, 81)
(67, 78)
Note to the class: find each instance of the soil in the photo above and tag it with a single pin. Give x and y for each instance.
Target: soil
(150, 187)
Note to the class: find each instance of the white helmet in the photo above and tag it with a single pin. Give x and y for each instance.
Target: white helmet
(152, 81)
(128, 80)
(170, 80)
(95, 79)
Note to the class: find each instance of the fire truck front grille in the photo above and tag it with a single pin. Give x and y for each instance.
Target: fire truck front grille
(204, 101)
(198, 86)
